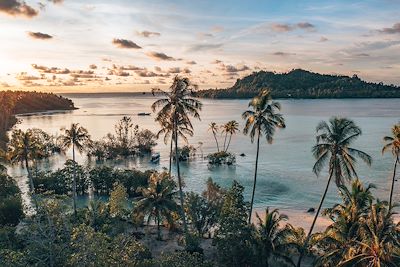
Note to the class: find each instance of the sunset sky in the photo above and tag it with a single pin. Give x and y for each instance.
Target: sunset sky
(103, 45)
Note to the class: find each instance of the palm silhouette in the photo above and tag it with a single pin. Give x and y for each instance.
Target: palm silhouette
(176, 106)
(167, 129)
(213, 127)
(79, 138)
(333, 146)
(158, 199)
(339, 239)
(263, 119)
(230, 128)
(393, 144)
(24, 147)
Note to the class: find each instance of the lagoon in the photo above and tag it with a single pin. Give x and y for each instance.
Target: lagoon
(285, 168)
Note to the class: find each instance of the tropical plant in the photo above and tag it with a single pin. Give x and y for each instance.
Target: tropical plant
(339, 241)
(146, 140)
(11, 208)
(118, 200)
(333, 146)
(393, 144)
(230, 128)
(272, 240)
(167, 129)
(79, 138)
(263, 119)
(233, 237)
(158, 201)
(177, 104)
(379, 244)
(213, 127)
(24, 147)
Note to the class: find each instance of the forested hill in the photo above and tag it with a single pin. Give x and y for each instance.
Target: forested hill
(16, 102)
(300, 83)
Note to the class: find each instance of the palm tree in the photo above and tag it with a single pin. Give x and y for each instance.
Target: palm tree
(177, 105)
(167, 129)
(213, 127)
(231, 129)
(339, 240)
(24, 147)
(333, 146)
(158, 199)
(79, 138)
(262, 119)
(379, 245)
(393, 143)
(273, 241)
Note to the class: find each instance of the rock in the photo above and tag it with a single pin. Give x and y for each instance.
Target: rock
(311, 210)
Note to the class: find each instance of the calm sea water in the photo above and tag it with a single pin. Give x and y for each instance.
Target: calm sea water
(285, 168)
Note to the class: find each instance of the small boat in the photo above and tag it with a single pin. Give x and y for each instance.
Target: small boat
(155, 158)
(143, 114)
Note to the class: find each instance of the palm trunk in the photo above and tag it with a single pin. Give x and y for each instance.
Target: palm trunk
(226, 135)
(74, 180)
(315, 219)
(216, 141)
(158, 227)
(170, 157)
(393, 180)
(229, 142)
(179, 175)
(255, 177)
(31, 185)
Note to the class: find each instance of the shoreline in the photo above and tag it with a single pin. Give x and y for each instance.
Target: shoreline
(54, 111)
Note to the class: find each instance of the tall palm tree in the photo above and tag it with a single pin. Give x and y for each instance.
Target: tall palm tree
(231, 129)
(178, 104)
(393, 144)
(213, 127)
(167, 129)
(333, 146)
(273, 241)
(24, 147)
(79, 138)
(158, 199)
(263, 119)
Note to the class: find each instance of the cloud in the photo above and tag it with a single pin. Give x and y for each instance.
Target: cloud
(148, 34)
(305, 26)
(159, 56)
(323, 39)
(157, 68)
(216, 61)
(86, 74)
(192, 62)
(204, 47)
(23, 76)
(128, 67)
(277, 27)
(217, 28)
(56, 2)
(123, 43)
(92, 66)
(204, 35)
(233, 69)
(392, 30)
(17, 8)
(40, 35)
(54, 70)
(117, 72)
(106, 59)
(282, 54)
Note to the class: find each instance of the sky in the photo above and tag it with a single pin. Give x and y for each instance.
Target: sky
(121, 45)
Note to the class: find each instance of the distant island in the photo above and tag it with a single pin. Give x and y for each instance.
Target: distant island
(19, 102)
(300, 83)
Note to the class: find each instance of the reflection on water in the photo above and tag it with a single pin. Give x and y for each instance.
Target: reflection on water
(285, 176)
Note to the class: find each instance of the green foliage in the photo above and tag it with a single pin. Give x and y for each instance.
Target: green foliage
(299, 83)
(146, 140)
(118, 201)
(234, 236)
(221, 157)
(182, 259)
(11, 209)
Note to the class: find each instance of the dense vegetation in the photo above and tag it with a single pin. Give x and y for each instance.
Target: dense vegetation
(300, 83)
(17, 102)
(148, 219)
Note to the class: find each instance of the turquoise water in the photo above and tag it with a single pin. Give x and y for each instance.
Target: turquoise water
(285, 177)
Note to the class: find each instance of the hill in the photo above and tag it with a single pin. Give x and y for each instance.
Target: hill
(17, 102)
(300, 83)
